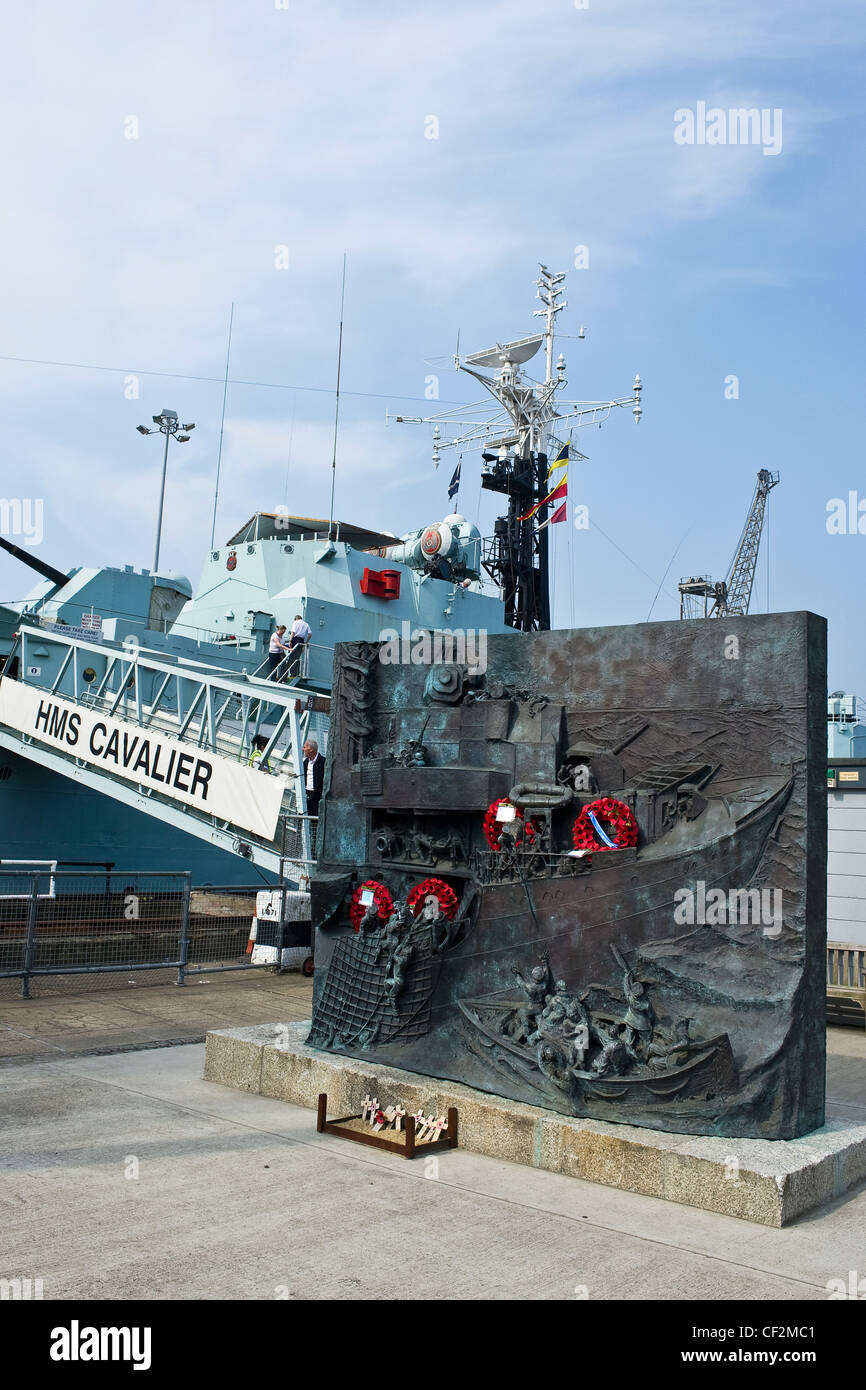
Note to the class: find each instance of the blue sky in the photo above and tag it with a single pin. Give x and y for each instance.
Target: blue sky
(304, 127)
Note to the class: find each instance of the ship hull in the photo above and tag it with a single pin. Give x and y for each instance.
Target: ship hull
(44, 816)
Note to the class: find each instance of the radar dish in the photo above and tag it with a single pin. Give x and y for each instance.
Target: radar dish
(519, 351)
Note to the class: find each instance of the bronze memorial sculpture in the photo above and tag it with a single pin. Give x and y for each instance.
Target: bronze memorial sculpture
(590, 876)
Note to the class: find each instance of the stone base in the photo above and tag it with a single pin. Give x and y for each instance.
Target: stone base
(769, 1182)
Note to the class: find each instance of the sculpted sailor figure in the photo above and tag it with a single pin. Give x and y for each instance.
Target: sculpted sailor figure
(433, 917)
(371, 921)
(639, 1018)
(575, 1031)
(510, 833)
(397, 968)
(393, 930)
(536, 989)
(663, 1052)
(614, 1056)
(553, 1014)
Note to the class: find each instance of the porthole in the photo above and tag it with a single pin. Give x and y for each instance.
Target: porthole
(88, 675)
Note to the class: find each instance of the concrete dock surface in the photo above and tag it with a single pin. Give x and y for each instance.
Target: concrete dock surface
(127, 1176)
(113, 1013)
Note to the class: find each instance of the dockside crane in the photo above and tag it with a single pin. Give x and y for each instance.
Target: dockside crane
(730, 597)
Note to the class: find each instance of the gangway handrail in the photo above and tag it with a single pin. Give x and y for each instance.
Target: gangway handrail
(166, 661)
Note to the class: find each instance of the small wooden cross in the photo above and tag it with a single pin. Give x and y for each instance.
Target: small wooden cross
(426, 1127)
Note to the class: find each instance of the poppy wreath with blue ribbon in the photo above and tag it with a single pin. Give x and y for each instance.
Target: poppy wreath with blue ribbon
(605, 824)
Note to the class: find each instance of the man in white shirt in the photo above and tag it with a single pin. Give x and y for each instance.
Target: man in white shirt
(298, 638)
(314, 775)
(314, 778)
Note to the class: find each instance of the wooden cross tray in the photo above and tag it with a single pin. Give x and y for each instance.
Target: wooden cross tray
(399, 1141)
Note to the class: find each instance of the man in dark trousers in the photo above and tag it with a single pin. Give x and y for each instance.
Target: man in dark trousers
(298, 638)
(314, 778)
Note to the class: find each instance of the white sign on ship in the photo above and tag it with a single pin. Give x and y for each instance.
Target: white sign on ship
(244, 796)
(78, 634)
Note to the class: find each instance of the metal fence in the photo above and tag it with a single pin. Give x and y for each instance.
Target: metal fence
(67, 932)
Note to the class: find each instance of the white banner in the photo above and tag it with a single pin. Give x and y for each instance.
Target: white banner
(242, 795)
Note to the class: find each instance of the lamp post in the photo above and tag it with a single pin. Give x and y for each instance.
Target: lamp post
(167, 424)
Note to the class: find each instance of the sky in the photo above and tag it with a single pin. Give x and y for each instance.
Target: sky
(165, 161)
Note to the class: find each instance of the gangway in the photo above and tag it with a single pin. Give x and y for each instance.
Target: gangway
(215, 754)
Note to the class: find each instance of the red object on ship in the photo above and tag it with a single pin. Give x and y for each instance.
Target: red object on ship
(381, 583)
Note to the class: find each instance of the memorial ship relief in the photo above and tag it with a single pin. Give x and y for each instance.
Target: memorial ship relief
(505, 856)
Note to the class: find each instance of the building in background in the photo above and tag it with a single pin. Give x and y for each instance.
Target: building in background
(846, 812)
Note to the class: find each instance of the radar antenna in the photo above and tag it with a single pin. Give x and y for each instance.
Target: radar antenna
(516, 440)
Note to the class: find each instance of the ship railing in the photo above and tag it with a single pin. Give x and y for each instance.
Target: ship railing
(36, 617)
(300, 665)
(494, 866)
(316, 659)
(42, 870)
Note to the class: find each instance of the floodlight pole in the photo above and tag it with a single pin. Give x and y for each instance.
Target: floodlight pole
(166, 423)
(161, 503)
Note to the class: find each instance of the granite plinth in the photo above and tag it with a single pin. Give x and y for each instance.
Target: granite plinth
(770, 1182)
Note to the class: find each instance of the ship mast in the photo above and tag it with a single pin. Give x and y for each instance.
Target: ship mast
(516, 444)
